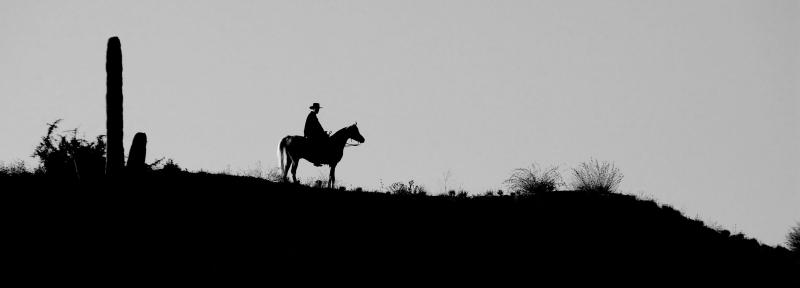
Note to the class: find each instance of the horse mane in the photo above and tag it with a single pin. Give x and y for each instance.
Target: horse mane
(341, 132)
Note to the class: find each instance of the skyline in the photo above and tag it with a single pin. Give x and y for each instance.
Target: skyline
(696, 102)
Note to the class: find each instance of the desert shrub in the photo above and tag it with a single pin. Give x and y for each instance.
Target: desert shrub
(65, 155)
(275, 174)
(165, 167)
(534, 180)
(420, 190)
(319, 181)
(256, 172)
(596, 176)
(171, 167)
(17, 168)
(400, 188)
(492, 193)
(793, 239)
(457, 194)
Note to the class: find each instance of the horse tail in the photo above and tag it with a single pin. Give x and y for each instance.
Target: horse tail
(281, 156)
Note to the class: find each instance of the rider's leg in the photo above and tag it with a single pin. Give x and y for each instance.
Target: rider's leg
(332, 177)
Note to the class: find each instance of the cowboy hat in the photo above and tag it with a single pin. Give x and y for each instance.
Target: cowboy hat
(315, 106)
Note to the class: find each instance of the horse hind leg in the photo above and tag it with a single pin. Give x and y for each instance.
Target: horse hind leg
(294, 170)
(286, 171)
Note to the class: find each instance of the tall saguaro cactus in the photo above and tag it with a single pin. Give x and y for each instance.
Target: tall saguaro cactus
(115, 160)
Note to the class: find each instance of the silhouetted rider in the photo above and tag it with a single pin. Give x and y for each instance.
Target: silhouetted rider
(313, 130)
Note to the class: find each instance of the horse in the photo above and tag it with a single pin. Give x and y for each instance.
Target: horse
(294, 148)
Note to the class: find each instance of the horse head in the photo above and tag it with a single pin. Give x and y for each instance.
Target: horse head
(355, 134)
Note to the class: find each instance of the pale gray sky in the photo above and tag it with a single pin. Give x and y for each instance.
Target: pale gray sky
(696, 101)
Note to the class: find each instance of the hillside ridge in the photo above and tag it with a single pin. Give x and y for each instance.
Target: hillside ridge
(200, 223)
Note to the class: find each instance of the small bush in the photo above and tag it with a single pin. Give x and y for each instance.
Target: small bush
(14, 169)
(596, 176)
(420, 190)
(168, 167)
(68, 156)
(793, 239)
(275, 175)
(256, 172)
(534, 180)
(400, 188)
(171, 167)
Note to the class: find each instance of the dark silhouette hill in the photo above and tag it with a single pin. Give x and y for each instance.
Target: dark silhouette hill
(203, 226)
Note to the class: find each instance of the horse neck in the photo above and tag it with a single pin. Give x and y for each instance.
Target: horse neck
(340, 137)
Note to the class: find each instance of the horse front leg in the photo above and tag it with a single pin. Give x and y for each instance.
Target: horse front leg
(332, 177)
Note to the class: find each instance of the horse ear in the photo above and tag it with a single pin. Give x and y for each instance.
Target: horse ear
(355, 123)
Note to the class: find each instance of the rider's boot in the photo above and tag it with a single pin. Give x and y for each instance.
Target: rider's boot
(317, 155)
